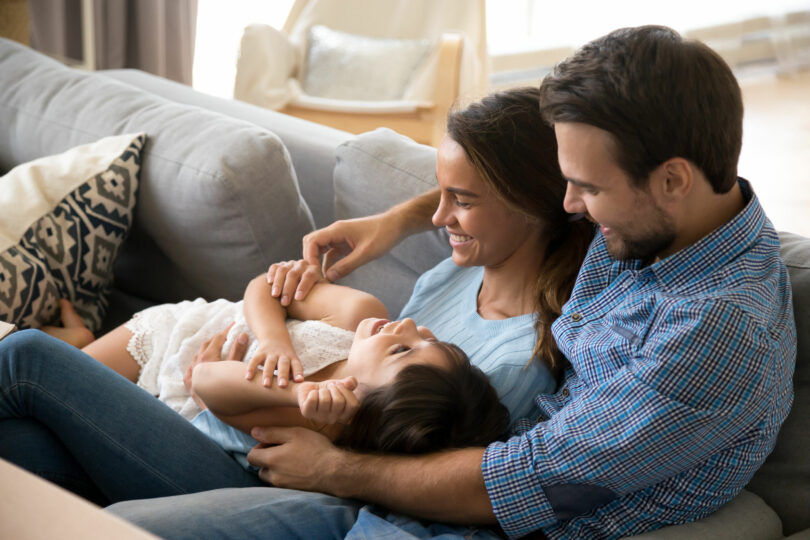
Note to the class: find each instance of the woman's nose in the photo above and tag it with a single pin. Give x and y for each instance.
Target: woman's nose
(441, 217)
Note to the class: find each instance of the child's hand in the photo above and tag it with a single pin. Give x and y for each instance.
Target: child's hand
(293, 279)
(328, 402)
(276, 357)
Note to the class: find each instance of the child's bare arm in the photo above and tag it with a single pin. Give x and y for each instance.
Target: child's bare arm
(337, 305)
(266, 317)
(245, 404)
(224, 389)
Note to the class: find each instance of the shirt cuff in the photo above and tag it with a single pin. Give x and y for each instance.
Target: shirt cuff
(514, 489)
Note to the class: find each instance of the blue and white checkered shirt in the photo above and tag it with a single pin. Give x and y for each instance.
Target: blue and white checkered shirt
(681, 375)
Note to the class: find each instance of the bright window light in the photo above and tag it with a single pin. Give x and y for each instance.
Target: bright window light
(219, 28)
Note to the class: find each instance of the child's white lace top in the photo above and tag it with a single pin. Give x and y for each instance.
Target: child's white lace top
(166, 338)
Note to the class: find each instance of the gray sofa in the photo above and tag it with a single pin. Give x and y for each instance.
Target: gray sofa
(227, 188)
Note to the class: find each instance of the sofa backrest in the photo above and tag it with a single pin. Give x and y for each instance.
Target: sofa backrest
(784, 480)
(218, 198)
(375, 171)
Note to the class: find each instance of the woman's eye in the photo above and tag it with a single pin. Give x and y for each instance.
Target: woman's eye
(462, 204)
(401, 349)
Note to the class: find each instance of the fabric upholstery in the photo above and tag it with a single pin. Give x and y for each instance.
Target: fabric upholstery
(348, 66)
(373, 172)
(784, 480)
(214, 189)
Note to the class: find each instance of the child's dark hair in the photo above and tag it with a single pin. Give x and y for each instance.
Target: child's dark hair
(428, 408)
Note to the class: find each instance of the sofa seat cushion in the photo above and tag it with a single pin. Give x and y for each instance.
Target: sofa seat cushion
(218, 201)
(745, 516)
(63, 219)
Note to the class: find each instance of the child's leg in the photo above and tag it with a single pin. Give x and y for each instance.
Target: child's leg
(73, 330)
(111, 350)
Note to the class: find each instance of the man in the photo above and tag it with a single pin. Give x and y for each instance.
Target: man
(679, 332)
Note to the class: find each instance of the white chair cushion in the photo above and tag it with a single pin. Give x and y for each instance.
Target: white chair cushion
(347, 66)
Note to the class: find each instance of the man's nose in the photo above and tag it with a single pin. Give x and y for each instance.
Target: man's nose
(573, 202)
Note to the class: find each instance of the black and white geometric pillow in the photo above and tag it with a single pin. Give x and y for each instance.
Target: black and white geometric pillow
(62, 221)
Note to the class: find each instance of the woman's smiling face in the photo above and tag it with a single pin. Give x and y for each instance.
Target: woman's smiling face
(483, 230)
(382, 348)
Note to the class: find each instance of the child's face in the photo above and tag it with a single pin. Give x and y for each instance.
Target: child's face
(382, 348)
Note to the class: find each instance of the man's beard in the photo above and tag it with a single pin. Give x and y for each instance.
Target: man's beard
(644, 245)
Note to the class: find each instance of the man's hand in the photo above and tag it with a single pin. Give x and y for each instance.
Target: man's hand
(293, 279)
(211, 351)
(328, 402)
(298, 458)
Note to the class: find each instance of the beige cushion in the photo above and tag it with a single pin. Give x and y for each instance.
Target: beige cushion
(346, 66)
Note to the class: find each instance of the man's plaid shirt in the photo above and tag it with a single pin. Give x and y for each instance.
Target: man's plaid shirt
(680, 377)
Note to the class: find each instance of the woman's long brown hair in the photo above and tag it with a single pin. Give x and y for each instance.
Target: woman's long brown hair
(515, 153)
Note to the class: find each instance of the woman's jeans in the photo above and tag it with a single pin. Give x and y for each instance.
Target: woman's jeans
(75, 422)
(79, 424)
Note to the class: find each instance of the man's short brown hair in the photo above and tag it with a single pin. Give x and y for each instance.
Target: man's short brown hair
(660, 96)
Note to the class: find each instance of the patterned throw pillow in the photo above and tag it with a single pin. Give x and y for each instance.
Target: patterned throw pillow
(62, 220)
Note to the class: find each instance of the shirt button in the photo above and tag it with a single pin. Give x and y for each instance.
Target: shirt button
(565, 392)
(576, 317)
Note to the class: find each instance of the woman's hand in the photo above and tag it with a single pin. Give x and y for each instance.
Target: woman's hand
(328, 402)
(293, 279)
(349, 244)
(277, 357)
(211, 351)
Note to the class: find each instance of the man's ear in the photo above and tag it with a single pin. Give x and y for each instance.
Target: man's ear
(676, 179)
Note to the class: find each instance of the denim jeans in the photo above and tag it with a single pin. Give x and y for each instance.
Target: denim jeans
(79, 424)
(75, 422)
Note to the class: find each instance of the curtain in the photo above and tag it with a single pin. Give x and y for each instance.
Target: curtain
(152, 35)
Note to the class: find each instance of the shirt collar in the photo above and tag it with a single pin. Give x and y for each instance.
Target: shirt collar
(716, 249)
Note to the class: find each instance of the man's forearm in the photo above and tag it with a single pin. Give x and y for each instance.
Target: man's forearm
(446, 486)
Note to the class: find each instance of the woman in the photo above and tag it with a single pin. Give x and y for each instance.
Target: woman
(516, 252)
(508, 172)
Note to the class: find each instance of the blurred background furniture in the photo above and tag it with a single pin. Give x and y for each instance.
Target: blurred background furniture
(303, 69)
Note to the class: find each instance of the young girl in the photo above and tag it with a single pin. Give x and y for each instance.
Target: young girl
(371, 384)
